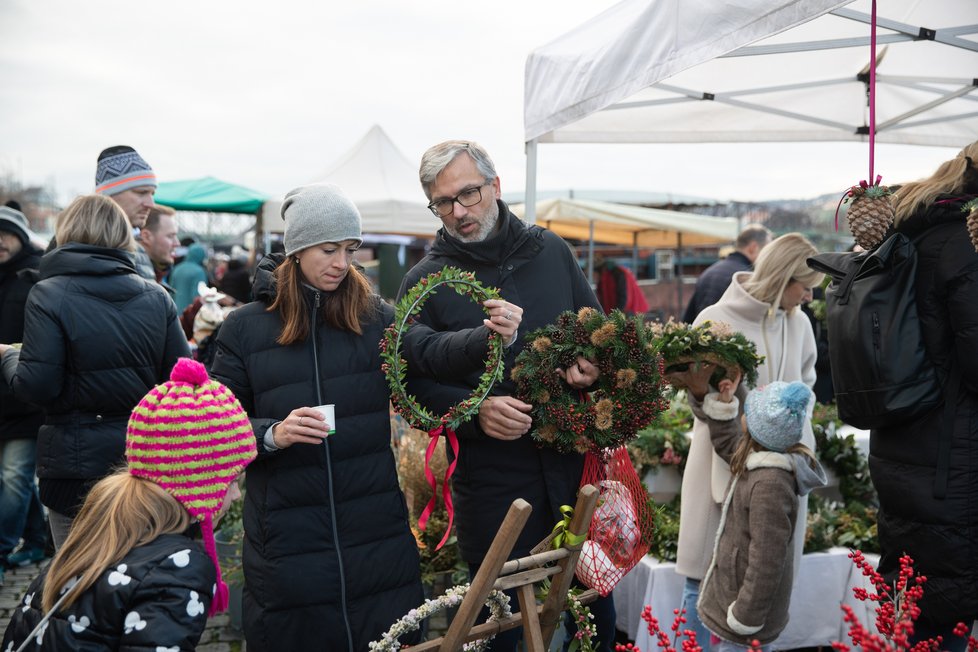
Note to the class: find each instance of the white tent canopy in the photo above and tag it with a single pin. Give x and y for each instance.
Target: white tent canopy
(667, 71)
(383, 185)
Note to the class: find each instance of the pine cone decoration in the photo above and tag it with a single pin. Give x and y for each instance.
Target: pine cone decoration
(869, 218)
(973, 226)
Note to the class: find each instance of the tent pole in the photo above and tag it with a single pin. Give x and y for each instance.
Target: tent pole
(530, 194)
(679, 272)
(590, 254)
(635, 254)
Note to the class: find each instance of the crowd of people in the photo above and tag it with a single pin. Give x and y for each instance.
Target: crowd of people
(107, 340)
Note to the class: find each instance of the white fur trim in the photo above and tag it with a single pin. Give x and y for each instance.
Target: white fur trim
(718, 410)
(769, 459)
(739, 627)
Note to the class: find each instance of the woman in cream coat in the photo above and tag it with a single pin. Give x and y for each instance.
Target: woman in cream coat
(763, 305)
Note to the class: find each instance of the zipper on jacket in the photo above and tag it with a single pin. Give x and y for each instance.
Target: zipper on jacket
(329, 478)
(876, 339)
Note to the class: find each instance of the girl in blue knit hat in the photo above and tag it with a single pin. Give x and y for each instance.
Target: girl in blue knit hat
(745, 594)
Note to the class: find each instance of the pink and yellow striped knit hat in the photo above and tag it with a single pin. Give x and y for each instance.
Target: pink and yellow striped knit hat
(191, 437)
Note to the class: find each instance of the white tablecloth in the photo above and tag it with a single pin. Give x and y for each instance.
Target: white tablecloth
(825, 582)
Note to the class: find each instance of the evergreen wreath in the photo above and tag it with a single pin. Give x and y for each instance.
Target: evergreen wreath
(629, 392)
(681, 344)
(394, 366)
(498, 603)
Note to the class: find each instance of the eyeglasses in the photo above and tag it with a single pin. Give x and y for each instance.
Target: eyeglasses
(466, 198)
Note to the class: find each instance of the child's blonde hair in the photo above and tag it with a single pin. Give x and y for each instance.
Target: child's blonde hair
(120, 513)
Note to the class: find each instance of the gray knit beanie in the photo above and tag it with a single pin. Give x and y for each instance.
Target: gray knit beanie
(319, 213)
(776, 412)
(13, 221)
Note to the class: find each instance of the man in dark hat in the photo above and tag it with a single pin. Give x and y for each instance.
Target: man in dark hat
(21, 515)
(123, 175)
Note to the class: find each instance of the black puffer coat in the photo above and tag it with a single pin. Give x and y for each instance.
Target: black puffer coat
(156, 598)
(97, 337)
(18, 419)
(941, 535)
(329, 559)
(535, 269)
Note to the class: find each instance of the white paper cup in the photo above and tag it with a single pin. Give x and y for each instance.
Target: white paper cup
(327, 412)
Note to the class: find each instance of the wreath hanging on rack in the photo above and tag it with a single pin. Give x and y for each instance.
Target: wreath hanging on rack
(498, 603)
(395, 369)
(629, 393)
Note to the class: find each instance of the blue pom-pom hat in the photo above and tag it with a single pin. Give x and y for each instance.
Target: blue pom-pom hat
(776, 413)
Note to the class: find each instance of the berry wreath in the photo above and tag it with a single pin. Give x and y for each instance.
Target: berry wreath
(628, 395)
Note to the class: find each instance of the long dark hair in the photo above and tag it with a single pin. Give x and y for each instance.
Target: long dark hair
(344, 307)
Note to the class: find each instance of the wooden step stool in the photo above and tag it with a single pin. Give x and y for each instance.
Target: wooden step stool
(539, 621)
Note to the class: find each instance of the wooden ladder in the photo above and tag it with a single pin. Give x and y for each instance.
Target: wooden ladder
(539, 621)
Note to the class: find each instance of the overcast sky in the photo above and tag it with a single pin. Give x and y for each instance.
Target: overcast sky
(270, 94)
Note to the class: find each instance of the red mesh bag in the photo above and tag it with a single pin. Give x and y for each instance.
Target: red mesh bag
(622, 524)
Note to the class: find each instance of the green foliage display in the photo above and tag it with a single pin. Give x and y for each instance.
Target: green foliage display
(681, 344)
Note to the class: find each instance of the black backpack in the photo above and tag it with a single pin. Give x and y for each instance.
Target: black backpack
(880, 370)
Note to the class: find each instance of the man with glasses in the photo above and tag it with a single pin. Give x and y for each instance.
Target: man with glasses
(446, 350)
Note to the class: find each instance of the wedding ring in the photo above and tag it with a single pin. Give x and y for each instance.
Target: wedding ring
(509, 315)
(300, 421)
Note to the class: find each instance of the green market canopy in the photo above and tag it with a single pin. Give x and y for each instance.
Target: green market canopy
(210, 195)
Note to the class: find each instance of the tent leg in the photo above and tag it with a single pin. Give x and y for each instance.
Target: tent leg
(590, 254)
(679, 274)
(530, 193)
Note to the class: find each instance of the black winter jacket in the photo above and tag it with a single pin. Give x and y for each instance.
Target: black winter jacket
(329, 559)
(536, 270)
(155, 598)
(941, 535)
(18, 419)
(97, 337)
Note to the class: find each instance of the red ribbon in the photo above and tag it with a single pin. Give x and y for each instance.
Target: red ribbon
(872, 112)
(434, 434)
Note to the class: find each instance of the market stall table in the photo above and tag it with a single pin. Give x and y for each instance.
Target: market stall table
(825, 582)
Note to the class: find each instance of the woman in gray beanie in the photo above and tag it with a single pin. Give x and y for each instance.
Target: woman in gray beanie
(318, 573)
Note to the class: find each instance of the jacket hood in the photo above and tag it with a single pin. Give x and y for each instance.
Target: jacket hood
(263, 287)
(88, 260)
(946, 209)
(196, 253)
(743, 304)
(807, 478)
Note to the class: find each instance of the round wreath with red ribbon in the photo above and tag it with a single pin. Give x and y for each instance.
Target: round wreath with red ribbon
(628, 395)
(395, 369)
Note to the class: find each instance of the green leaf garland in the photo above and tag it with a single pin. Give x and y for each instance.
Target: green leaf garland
(395, 367)
(681, 344)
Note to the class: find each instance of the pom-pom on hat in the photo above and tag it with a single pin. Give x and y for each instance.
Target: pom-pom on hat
(319, 213)
(121, 168)
(192, 438)
(776, 412)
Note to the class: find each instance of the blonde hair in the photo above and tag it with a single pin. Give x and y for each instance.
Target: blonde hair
(94, 220)
(779, 263)
(120, 513)
(959, 175)
(748, 445)
(343, 308)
